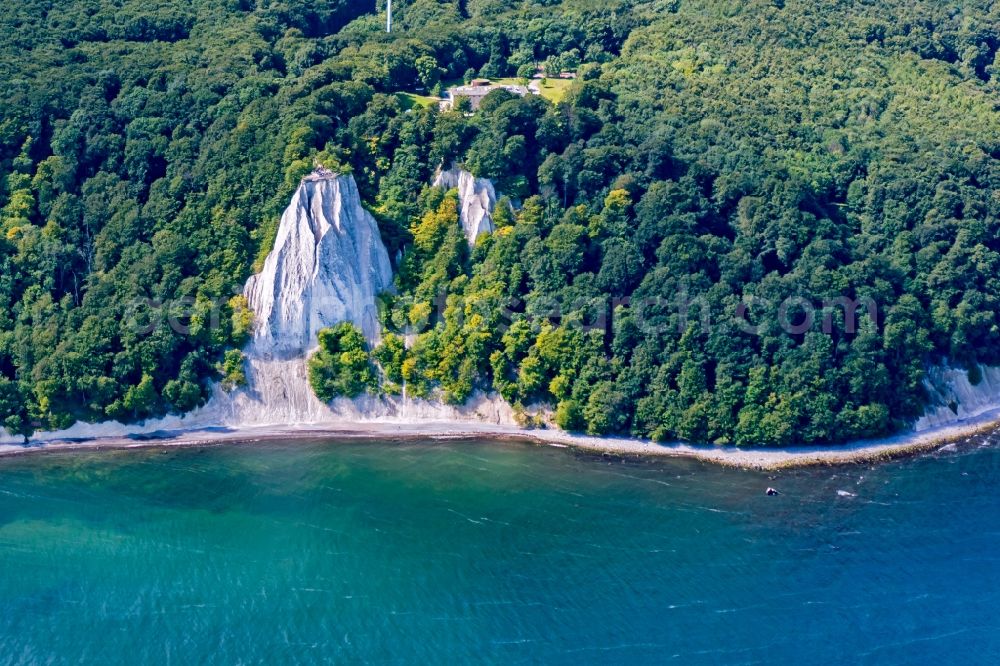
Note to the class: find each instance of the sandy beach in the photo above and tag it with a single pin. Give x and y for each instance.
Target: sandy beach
(900, 445)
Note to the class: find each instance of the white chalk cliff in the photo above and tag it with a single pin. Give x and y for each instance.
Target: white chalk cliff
(328, 265)
(953, 398)
(476, 200)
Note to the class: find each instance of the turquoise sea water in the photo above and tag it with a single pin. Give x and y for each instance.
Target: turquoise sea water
(443, 553)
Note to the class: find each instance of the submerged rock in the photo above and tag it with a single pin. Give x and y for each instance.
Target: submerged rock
(476, 199)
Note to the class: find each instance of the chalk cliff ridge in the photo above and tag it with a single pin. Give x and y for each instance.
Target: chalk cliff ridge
(328, 265)
(476, 198)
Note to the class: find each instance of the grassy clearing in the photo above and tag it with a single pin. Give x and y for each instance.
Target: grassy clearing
(553, 90)
(411, 100)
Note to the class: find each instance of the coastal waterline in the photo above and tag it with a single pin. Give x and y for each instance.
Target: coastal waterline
(417, 552)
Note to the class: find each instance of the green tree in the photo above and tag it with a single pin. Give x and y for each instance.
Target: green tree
(342, 366)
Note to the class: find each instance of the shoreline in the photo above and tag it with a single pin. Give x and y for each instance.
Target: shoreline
(763, 459)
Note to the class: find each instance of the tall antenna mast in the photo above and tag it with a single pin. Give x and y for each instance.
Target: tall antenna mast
(388, 20)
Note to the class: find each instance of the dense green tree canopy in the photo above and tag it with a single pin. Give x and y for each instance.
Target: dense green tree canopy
(342, 366)
(709, 153)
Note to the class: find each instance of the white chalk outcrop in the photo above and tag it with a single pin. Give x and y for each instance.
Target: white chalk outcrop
(953, 398)
(328, 265)
(476, 200)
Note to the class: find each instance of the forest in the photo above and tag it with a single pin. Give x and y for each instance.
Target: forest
(722, 152)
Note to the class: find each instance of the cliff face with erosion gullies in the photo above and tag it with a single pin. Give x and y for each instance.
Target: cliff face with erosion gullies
(328, 265)
(953, 398)
(476, 199)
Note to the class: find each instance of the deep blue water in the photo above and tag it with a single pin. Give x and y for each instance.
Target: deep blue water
(443, 553)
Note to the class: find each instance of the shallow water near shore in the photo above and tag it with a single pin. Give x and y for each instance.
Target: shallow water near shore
(425, 552)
